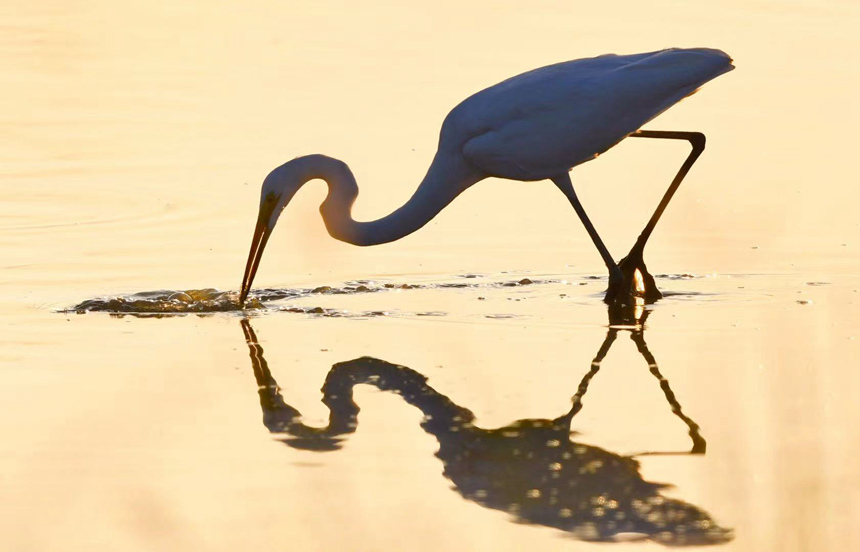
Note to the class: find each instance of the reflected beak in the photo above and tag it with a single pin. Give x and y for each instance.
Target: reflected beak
(258, 243)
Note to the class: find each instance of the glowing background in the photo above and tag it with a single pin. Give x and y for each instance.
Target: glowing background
(134, 140)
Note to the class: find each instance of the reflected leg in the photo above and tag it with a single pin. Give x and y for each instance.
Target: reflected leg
(583, 384)
(699, 444)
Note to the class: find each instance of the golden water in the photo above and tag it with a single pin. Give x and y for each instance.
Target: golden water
(135, 137)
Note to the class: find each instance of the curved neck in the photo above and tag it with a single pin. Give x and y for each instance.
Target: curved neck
(440, 412)
(446, 178)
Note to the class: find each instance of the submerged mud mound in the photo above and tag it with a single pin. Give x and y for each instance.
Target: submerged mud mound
(210, 300)
(168, 302)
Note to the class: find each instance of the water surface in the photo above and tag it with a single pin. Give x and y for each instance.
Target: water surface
(135, 139)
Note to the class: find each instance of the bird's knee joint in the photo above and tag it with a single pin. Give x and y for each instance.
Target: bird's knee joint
(697, 140)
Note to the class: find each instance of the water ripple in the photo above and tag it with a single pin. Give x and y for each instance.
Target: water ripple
(210, 300)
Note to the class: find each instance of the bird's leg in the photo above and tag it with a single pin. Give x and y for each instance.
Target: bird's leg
(615, 275)
(633, 262)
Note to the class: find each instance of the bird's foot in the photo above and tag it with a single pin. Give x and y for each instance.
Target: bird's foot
(616, 283)
(634, 281)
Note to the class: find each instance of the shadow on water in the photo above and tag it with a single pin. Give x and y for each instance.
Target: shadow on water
(530, 468)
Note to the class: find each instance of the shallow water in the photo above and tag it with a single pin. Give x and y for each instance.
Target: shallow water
(136, 137)
(203, 301)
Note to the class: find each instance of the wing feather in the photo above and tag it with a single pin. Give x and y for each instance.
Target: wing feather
(542, 123)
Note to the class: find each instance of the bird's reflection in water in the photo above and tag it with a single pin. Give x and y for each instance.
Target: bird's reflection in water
(530, 468)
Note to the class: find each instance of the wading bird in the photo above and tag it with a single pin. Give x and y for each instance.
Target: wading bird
(535, 126)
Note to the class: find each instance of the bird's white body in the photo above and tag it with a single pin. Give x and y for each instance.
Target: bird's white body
(533, 126)
(541, 123)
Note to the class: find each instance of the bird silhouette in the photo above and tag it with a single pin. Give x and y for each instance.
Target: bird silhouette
(529, 468)
(534, 126)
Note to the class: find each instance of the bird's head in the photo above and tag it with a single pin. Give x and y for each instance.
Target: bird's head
(278, 189)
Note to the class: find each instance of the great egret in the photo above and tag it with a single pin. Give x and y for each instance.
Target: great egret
(535, 126)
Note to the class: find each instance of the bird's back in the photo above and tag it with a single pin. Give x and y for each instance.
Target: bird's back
(541, 123)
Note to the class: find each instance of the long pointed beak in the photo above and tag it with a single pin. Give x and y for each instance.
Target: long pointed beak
(258, 243)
